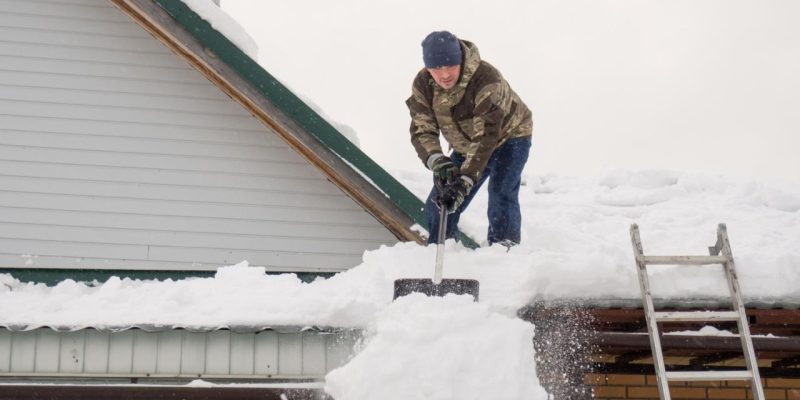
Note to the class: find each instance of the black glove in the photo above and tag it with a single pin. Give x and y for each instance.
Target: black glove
(453, 194)
(444, 169)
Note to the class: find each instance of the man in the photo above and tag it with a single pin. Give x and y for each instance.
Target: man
(486, 124)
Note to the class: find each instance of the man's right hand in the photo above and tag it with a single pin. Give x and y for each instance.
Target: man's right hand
(454, 194)
(444, 169)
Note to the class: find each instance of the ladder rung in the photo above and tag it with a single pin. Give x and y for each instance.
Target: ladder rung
(696, 316)
(684, 260)
(735, 375)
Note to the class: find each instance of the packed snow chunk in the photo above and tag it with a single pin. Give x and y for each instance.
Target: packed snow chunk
(437, 348)
(225, 25)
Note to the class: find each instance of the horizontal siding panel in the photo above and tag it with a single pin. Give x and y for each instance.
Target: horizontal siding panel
(282, 167)
(75, 11)
(69, 40)
(72, 25)
(117, 114)
(207, 215)
(176, 90)
(247, 134)
(307, 261)
(295, 184)
(158, 62)
(257, 226)
(217, 241)
(21, 246)
(26, 261)
(138, 191)
(42, 63)
(155, 146)
(177, 178)
(109, 256)
(221, 107)
(90, 3)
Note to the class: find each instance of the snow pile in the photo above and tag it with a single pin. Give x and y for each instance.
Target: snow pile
(575, 246)
(225, 25)
(237, 295)
(440, 348)
(576, 241)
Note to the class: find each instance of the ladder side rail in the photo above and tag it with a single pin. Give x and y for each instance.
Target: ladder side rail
(738, 303)
(652, 325)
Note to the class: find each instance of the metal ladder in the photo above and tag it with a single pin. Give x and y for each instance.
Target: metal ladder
(663, 376)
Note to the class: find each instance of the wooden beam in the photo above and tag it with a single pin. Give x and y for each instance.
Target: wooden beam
(786, 362)
(715, 358)
(628, 357)
(647, 369)
(606, 341)
(776, 321)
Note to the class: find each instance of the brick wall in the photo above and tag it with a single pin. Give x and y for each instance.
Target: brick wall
(644, 387)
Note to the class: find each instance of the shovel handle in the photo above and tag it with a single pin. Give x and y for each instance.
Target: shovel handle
(437, 272)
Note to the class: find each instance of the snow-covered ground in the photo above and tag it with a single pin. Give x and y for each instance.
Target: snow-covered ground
(575, 246)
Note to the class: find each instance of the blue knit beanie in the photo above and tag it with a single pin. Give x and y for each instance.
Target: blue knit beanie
(441, 49)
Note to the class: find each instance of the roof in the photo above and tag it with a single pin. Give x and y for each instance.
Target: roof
(243, 79)
(611, 337)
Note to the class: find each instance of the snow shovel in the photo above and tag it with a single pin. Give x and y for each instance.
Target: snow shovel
(437, 286)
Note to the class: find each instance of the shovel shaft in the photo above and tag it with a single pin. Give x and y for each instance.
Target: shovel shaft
(437, 272)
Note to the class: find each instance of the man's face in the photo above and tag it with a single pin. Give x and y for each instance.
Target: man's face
(446, 77)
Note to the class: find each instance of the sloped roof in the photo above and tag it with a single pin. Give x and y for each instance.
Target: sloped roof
(244, 80)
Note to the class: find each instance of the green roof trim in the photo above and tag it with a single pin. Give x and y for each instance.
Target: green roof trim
(298, 110)
(52, 276)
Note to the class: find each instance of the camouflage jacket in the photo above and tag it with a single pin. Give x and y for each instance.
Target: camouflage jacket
(476, 116)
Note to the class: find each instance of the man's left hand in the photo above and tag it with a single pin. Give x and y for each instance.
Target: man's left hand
(453, 194)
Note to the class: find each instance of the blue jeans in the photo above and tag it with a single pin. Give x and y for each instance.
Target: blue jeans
(504, 171)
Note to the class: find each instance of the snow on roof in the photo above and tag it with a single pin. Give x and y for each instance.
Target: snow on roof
(575, 246)
(225, 25)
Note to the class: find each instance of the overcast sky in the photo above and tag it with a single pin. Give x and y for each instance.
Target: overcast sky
(688, 85)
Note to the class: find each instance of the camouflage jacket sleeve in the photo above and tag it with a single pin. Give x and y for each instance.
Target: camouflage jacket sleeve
(487, 122)
(424, 128)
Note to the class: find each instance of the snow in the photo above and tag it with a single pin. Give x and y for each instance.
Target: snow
(458, 349)
(225, 25)
(712, 331)
(704, 331)
(231, 29)
(575, 246)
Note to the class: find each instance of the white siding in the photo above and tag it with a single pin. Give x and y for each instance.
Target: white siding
(170, 354)
(114, 153)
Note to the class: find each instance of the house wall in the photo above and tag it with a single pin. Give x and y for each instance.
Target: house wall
(115, 153)
(618, 386)
(173, 353)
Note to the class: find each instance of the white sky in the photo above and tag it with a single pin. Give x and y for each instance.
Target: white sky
(685, 85)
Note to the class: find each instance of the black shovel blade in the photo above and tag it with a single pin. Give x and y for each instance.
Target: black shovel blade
(403, 287)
